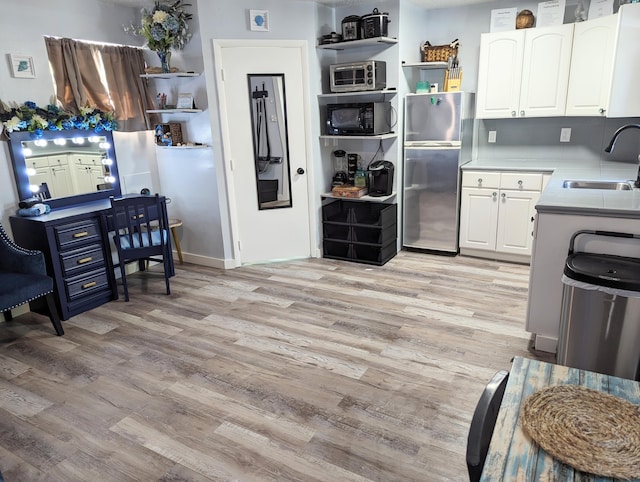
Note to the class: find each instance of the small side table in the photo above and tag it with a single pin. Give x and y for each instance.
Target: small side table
(174, 224)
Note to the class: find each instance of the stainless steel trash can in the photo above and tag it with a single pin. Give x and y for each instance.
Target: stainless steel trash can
(600, 321)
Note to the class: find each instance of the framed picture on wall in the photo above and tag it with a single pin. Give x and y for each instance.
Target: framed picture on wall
(22, 66)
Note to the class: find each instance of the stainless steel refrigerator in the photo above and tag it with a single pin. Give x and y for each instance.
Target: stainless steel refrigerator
(438, 139)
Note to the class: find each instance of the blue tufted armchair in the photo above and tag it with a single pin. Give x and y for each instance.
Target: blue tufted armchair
(23, 279)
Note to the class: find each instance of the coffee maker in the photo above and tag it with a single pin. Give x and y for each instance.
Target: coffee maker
(381, 178)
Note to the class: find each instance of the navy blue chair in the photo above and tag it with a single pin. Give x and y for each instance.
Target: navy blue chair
(141, 234)
(23, 279)
(483, 423)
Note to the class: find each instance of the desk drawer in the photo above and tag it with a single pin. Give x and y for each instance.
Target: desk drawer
(88, 257)
(69, 235)
(87, 284)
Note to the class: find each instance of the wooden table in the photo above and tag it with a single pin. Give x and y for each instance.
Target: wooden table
(512, 454)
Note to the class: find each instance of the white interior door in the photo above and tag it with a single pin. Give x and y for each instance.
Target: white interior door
(265, 228)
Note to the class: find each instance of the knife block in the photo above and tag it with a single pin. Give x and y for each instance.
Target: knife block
(452, 80)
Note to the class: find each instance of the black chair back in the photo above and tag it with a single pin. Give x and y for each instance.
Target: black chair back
(141, 232)
(483, 423)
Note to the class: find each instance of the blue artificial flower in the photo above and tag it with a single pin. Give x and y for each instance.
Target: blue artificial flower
(171, 24)
(31, 105)
(157, 32)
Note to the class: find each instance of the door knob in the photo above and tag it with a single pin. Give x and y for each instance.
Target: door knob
(300, 171)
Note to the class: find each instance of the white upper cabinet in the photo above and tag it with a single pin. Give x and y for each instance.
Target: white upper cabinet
(524, 73)
(624, 100)
(499, 74)
(592, 66)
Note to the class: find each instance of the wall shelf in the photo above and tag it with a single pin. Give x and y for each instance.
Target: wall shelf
(366, 42)
(172, 111)
(391, 135)
(380, 199)
(425, 65)
(203, 146)
(389, 92)
(170, 75)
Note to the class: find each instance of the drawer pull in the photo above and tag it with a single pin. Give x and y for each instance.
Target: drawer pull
(139, 216)
(81, 234)
(89, 285)
(85, 260)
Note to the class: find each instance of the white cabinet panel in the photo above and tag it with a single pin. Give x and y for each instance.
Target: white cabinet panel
(591, 66)
(524, 72)
(478, 218)
(515, 222)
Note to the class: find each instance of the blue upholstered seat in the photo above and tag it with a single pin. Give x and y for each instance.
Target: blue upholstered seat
(23, 279)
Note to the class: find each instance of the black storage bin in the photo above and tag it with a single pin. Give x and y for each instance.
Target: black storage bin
(337, 231)
(337, 250)
(373, 254)
(335, 212)
(360, 231)
(267, 190)
(374, 214)
(374, 234)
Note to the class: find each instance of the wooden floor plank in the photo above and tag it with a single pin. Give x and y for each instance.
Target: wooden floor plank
(307, 370)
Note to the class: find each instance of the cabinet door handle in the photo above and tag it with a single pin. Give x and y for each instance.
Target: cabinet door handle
(601, 110)
(513, 113)
(139, 216)
(532, 219)
(522, 113)
(479, 181)
(89, 285)
(85, 260)
(495, 195)
(81, 234)
(503, 196)
(520, 183)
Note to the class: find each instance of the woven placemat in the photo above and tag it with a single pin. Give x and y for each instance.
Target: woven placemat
(589, 430)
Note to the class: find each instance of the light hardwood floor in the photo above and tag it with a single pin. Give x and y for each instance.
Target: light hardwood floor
(312, 370)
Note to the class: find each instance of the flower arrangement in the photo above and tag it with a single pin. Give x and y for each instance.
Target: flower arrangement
(29, 117)
(164, 26)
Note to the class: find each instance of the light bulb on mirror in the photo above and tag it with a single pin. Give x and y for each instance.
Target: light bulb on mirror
(34, 188)
(109, 179)
(31, 171)
(107, 162)
(40, 142)
(104, 145)
(27, 152)
(59, 142)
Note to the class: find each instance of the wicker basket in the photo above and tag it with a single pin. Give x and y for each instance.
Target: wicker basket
(439, 53)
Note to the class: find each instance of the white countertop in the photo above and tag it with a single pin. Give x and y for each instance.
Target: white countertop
(587, 202)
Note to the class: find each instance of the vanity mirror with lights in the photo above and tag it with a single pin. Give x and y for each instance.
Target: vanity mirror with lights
(65, 168)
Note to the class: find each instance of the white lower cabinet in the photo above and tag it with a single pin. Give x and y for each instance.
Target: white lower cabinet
(497, 210)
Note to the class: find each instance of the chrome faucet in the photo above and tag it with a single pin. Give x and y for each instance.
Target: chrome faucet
(612, 143)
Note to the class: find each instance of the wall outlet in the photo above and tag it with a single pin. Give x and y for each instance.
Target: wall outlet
(565, 134)
(492, 137)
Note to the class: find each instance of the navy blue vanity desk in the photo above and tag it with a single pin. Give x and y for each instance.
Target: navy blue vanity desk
(76, 245)
(77, 254)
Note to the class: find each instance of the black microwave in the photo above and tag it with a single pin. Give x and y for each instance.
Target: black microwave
(358, 119)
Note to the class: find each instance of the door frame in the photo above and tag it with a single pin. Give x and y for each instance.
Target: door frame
(302, 46)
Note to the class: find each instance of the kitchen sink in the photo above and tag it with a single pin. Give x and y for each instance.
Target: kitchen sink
(610, 185)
